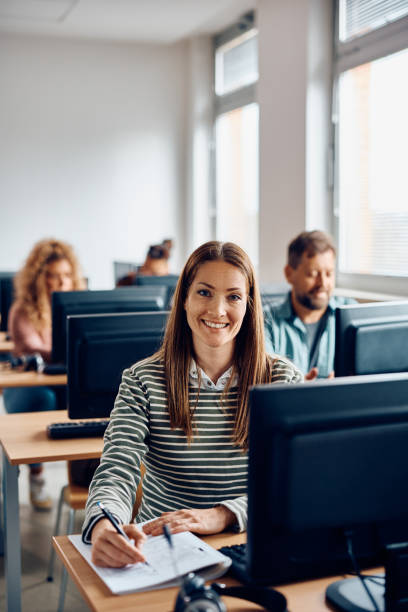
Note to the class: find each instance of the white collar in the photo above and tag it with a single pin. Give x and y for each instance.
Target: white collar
(206, 382)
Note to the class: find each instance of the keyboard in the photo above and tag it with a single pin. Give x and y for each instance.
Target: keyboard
(77, 429)
(237, 553)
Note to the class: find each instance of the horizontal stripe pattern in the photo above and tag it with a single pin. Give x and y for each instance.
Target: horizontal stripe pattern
(208, 471)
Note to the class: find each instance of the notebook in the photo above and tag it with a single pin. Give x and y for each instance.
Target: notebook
(191, 554)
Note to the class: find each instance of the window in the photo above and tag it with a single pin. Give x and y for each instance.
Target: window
(236, 63)
(357, 17)
(236, 137)
(237, 178)
(371, 117)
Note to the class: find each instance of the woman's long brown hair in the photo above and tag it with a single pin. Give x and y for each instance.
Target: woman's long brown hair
(251, 363)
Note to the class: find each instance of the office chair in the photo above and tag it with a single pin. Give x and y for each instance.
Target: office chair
(75, 496)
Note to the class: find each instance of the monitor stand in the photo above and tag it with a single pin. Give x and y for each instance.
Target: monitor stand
(349, 595)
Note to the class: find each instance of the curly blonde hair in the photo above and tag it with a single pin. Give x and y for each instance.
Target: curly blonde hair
(30, 282)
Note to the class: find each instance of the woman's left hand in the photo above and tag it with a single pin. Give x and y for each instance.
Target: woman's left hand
(211, 520)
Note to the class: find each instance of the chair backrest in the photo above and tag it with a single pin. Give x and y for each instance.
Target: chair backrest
(139, 492)
(77, 494)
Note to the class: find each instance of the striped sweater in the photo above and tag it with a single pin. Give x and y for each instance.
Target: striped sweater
(208, 471)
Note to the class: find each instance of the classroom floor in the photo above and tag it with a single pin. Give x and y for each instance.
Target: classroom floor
(38, 595)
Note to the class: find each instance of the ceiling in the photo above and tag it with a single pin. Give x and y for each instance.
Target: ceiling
(153, 21)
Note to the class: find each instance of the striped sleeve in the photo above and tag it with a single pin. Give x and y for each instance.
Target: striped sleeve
(239, 506)
(284, 371)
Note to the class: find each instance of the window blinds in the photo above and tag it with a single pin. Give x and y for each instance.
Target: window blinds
(358, 17)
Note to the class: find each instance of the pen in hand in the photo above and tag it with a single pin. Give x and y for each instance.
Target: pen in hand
(125, 552)
(113, 521)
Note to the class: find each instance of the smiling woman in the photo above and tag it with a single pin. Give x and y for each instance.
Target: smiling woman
(183, 412)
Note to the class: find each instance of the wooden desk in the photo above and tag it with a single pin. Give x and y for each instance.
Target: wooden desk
(14, 378)
(302, 597)
(23, 439)
(6, 346)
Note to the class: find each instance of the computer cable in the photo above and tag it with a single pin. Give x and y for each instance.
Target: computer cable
(374, 578)
(348, 534)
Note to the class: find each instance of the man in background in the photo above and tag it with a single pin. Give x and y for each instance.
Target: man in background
(302, 327)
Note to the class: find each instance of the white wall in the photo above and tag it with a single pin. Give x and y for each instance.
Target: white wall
(92, 149)
(294, 93)
(107, 145)
(200, 129)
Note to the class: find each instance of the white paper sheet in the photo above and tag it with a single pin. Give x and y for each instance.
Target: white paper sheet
(191, 554)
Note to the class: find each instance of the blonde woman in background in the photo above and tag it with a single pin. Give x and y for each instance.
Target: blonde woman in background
(50, 266)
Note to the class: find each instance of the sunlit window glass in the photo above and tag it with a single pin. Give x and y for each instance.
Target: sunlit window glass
(236, 63)
(372, 181)
(237, 178)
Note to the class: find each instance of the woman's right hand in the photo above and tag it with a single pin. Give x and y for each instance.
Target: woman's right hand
(110, 549)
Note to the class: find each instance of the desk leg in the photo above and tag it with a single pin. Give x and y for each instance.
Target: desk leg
(12, 545)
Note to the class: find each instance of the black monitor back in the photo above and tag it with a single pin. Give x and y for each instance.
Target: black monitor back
(125, 299)
(6, 297)
(100, 347)
(324, 458)
(371, 338)
(169, 280)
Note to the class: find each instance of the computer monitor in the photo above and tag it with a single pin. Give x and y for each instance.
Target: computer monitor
(371, 338)
(6, 297)
(325, 459)
(169, 280)
(123, 268)
(125, 299)
(100, 347)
